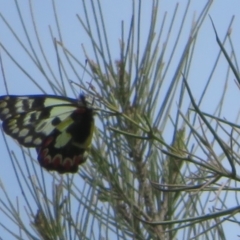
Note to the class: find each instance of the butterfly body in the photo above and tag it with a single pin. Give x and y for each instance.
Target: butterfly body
(59, 128)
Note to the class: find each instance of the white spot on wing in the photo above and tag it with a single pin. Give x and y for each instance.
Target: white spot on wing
(3, 104)
(8, 116)
(37, 141)
(55, 101)
(28, 139)
(15, 130)
(24, 132)
(12, 122)
(5, 111)
(19, 104)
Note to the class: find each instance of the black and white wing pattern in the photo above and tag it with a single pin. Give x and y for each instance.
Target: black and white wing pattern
(60, 128)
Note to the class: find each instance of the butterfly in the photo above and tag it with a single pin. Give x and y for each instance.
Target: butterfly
(60, 128)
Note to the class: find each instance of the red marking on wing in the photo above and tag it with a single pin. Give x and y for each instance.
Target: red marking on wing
(63, 160)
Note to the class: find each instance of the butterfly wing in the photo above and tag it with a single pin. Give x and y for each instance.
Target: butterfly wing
(63, 150)
(60, 128)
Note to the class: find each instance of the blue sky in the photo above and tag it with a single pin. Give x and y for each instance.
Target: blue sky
(73, 36)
